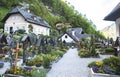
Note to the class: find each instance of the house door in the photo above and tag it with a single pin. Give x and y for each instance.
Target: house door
(11, 30)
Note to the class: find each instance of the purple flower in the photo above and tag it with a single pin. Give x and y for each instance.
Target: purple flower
(28, 68)
(108, 70)
(95, 69)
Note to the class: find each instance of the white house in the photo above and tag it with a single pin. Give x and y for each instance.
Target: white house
(74, 35)
(114, 15)
(67, 38)
(18, 18)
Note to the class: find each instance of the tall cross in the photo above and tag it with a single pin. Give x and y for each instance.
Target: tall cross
(16, 57)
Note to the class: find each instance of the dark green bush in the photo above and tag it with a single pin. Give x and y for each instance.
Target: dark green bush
(109, 50)
(21, 31)
(97, 45)
(114, 63)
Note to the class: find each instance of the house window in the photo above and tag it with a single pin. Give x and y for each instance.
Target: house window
(65, 36)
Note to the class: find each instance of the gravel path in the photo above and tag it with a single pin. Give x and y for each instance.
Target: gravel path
(71, 65)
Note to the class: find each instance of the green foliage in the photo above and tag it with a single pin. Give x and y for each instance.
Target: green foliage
(84, 53)
(97, 44)
(109, 50)
(114, 63)
(23, 71)
(16, 37)
(30, 62)
(1, 31)
(20, 53)
(1, 75)
(8, 4)
(38, 60)
(57, 53)
(95, 63)
(47, 61)
(30, 28)
(52, 11)
(21, 31)
(3, 12)
(6, 59)
(40, 73)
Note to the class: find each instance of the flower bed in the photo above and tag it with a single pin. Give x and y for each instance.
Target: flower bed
(93, 74)
(109, 67)
(21, 72)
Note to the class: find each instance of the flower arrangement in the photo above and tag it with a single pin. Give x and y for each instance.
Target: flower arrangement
(23, 71)
(99, 67)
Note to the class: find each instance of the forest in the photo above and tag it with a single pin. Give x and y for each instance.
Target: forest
(52, 11)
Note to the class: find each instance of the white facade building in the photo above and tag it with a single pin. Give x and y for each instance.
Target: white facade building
(21, 19)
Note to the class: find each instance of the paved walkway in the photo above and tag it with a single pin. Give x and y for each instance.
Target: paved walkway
(71, 65)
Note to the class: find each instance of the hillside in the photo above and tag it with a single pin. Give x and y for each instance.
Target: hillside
(52, 11)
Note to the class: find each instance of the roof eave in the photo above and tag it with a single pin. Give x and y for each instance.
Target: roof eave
(37, 24)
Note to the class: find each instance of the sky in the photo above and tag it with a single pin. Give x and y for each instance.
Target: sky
(95, 10)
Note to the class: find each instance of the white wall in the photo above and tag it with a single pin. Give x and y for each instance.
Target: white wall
(37, 29)
(18, 22)
(68, 39)
(117, 26)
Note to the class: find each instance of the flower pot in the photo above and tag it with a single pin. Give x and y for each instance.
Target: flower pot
(93, 74)
(12, 75)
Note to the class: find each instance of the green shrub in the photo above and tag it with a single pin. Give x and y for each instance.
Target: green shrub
(21, 31)
(38, 60)
(30, 62)
(40, 73)
(95, 63)
(97, 45)
(20, 53)
(114, 63)
(84, 53)
(91, 64)
(57, 53)
(109, 50)
(47, 60)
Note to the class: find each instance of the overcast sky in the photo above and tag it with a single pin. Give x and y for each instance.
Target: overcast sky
(95, 10)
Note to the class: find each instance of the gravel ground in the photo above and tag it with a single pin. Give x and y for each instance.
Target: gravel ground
(71, 65)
